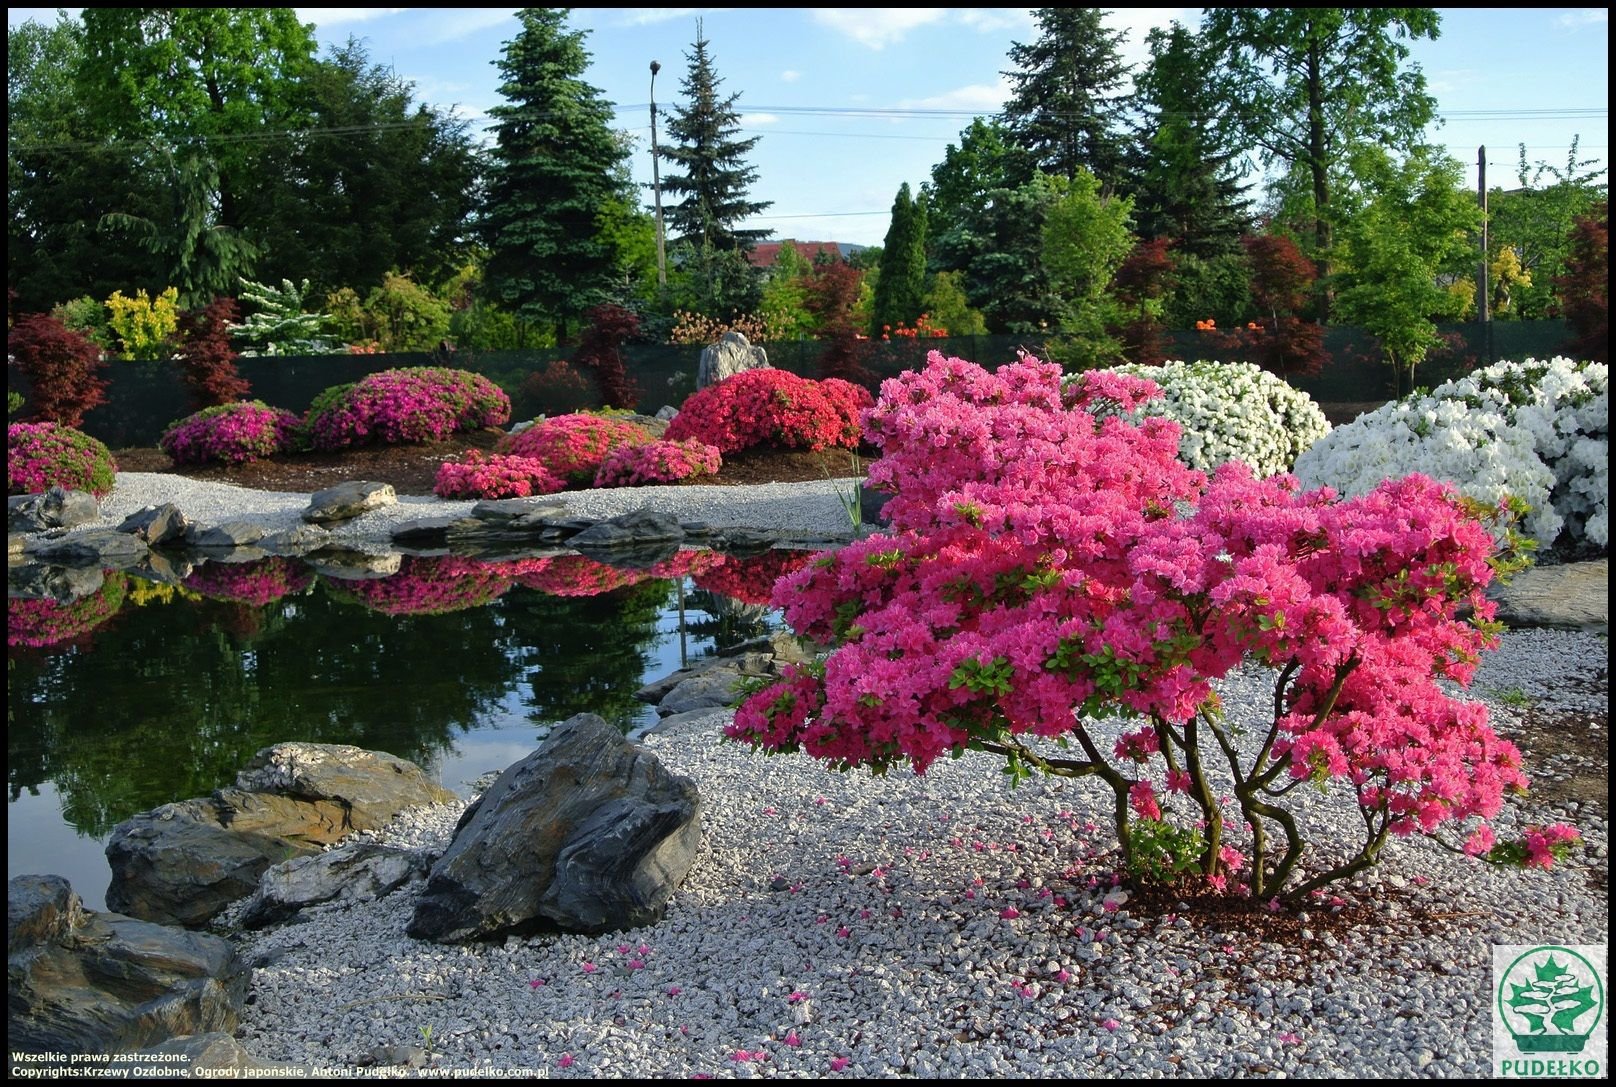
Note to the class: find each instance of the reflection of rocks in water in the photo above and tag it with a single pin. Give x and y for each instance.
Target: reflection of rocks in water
(727, 607)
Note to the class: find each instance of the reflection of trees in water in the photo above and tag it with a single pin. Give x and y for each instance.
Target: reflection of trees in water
(724, 619)
(172, 701)
(586, 654)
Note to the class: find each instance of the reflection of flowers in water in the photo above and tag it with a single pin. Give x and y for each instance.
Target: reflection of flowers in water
(577, 575)
(429, 585)
(751, 579)
(38, 623)
(258, 583)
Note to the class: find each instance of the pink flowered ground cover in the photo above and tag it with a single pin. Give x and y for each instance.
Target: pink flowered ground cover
(40, 456)
(573, 447)
(658, 462)
(1045, 571)
(39, 623)
(230, 434)
(413, 404)
(773, 408)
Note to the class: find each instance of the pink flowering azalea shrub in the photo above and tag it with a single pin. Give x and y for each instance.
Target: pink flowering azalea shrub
(1053, 577)
(232, 433)
(774, 409)
(574, 447)
(497, 475)
(659, 461)
(41, 623)
(40, 456)
(257, 583)
(413, 404)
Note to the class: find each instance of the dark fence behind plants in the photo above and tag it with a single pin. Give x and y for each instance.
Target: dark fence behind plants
(143, 398)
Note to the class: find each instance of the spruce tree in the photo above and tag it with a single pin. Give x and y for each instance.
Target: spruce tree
(900, 290)
(1067, 102)
(555, 169)
(709, 162)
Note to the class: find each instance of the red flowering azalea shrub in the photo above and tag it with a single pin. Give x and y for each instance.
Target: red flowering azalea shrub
(230, 434)
(1060, 591)
(750, 579)
(256, 583)
(657, 462)
(428, 585)
(63, 369)
(772, 408)
(413, 404)
(574, 446)
(40, 623)
(495, 476)
(40, 456)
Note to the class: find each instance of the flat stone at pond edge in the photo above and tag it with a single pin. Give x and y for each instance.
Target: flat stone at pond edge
(56, 508)
(348, 500)
(1573, 596)
(93, 546)
(157, 525)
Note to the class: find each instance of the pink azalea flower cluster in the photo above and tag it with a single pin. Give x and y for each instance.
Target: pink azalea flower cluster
(498, 475)
(230, 434)
(773, 408)
(1046, 569)
(413, 404)
(39, 623)
(659, 461)
(750, 578)
(40, 456)
(257, 583)
(574, 446)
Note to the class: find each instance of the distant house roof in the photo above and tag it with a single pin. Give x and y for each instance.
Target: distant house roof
(763, 254)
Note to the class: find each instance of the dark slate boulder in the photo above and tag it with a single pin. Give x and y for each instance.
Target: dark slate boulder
(84, 982)
(635, 529)
(157, 525)
(590, 833)
(353, 872)
(56, 508)
(102, 547)
(348, 500)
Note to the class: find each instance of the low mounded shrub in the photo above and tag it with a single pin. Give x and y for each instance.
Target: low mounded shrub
(413, 404)
(40, 456)
(497, 475)
(775, 409)
(1231, 411)
(574, 446)
(230, 434)
(659, 461)
(1534, 431)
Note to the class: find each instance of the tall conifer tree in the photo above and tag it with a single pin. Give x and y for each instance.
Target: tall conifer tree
(900, 291)
(1067, 101)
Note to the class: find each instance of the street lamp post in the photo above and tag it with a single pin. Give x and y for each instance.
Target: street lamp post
(656, 188)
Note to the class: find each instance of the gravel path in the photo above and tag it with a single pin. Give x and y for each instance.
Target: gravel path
(946, 926)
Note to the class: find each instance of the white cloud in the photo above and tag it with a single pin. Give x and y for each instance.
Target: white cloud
(876, 28)
(749, 120)
(1581, 17)
(790, 75)
(651, 16)
(340, 16)
(988, 20)
(1137, 23)
(451, 24)
(976, 97)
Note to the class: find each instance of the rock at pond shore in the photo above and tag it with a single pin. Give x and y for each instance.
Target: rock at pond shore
(56, 508)
(590, 833)
(732, 354)
(1575, 596)
(348, 500)
(93, 547)
(85, 982)
(183, 863)
(157, 525)
(354, 872)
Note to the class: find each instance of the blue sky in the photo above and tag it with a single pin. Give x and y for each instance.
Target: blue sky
(852, 102)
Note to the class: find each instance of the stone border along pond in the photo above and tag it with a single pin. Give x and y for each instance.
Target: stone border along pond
(791, 921)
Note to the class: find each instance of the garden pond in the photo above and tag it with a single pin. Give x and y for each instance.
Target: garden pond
(138, 692)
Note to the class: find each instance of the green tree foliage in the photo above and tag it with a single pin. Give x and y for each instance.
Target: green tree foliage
(1307, 86)
(960, 186)
(278, 324)
(1068, 98)
(553, 175)
(719, 283)
(783, 303)
(709, 168)
(1536, 220)
(900, 291)
(1086, 238)
(1186, 179)
(948, 307)
(144, 326)
(1413, 223)
(999, 247)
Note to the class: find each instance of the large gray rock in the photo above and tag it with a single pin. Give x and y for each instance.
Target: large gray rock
(183, 863)
(96, 546)
(56, 508)
(590, 833)
(634, 529)
(354, 872)
(228, 536)
(1573, 596)
(732, 354)
(85, 982)
(348, 500)
(157, 525)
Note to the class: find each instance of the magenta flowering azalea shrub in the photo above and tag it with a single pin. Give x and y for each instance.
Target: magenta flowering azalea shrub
(497, 475)
(230, 434)
(660, 461)
(750, 578)
(575, 446)
(413, 404)
(774, 409)
(40, 456)
(1052, 577)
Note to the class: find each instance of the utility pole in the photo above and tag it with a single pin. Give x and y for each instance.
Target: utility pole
(656, 187)
(1484, 293)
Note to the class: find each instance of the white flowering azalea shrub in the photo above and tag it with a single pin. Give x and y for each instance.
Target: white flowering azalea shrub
(1535, 431)
(1231, 411)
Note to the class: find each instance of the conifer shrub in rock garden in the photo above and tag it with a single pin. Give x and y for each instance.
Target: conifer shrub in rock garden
(1534, 432)
(773, 409)
(233, 433)
(40, 456)
(1230, 411)
(1059, 590)
(412, 404)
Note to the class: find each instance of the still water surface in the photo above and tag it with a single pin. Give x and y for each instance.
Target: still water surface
(142, 693)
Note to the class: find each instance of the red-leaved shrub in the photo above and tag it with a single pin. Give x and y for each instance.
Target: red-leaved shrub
(62, 368)
(207, 361)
